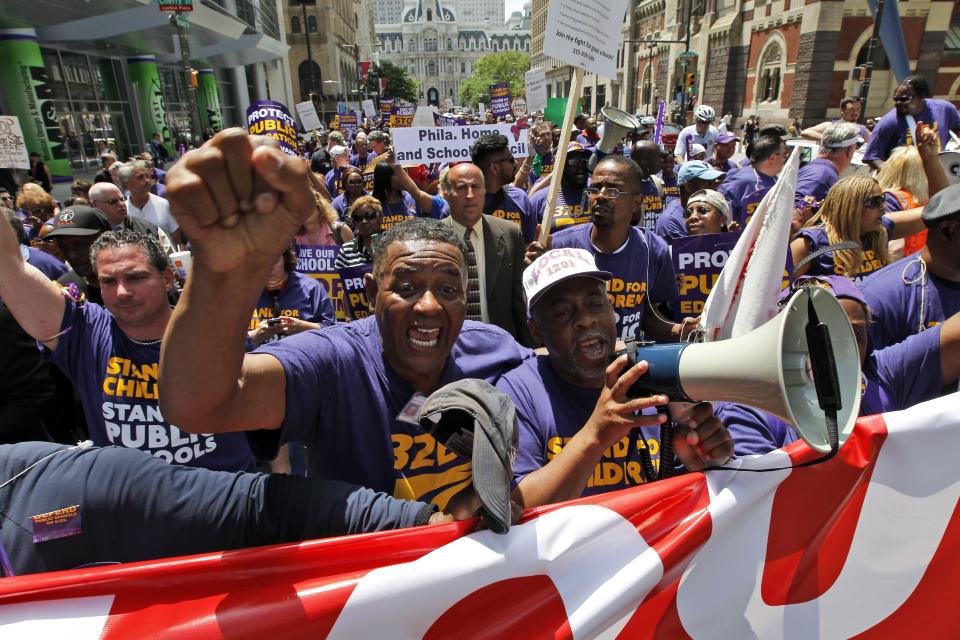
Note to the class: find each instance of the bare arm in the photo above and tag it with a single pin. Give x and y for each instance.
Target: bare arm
(566, 476)
(799, 249)
(35, 301)
(523, 173)
(906, 223)
(950, 350)
(423, 199)
(932, 167)
(240, 201)
(814, 133)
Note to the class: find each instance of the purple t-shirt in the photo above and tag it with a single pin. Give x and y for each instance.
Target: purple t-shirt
(343, 399)
(397, 212)
(45, 263)
(893, 131)
(545, 169)
(116, 379)
(571, 207)
(895, 294)
(588, 141)
(903, 374)
(550, 411)
(670, 225)
(332, 180)
(159, 190)
(653, 204)
(816, 178)
(744, 191)
(301, 297)
(824, 265)
(640, 268)
(513, 204)
(367, 158)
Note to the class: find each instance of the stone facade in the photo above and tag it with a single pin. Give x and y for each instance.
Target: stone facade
(439, 51)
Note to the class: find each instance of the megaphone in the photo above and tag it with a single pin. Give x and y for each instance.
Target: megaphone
(617, 125)
(951, 164)
(768, 368)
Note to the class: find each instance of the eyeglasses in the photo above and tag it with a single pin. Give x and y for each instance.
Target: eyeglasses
(355, 182)
(114, 202)
(873, 202)
(701, 210)
(903, 98)
(368, 216)
(610, 192)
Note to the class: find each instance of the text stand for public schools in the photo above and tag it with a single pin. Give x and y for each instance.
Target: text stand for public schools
(573, 99)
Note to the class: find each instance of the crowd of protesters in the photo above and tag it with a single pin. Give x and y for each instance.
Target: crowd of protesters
(242, 364)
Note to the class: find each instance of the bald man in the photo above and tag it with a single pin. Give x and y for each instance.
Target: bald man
(109, 200)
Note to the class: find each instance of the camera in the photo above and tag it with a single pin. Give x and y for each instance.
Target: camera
(272, 322)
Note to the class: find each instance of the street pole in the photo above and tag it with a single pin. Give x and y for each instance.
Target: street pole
(871, 48)
(306, 39)
(197, 133)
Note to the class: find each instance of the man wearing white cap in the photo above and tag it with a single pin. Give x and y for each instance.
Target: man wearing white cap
(837, 144)
(580, 431)
(339, 156)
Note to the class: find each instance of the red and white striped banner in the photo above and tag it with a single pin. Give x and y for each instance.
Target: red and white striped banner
(866, 545)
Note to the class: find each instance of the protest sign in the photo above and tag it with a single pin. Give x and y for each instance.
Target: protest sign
(341, 108)
(555, 109)
(415, 145)
(13, 150)
(585, 34)
(536, 83)
(348, 126)
(441, 120)
(355, 303)
(386, 107)
(271, 118)
(500, 100)
(698, 261)
(308, 115)
(658, 129)
(424, 117)
(401, 115)
(481, 110)
(319, 262)
(519, 107)
(369, 109)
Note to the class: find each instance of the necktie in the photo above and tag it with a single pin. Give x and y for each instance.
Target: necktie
(473, 280)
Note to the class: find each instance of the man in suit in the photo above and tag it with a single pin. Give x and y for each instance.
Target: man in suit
(495, 290)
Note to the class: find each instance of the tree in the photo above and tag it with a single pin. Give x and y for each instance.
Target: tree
(508, 66)
(400, 84)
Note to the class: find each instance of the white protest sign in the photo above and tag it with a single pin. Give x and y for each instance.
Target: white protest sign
(536, 83)
(308, 116)
(585, 33)
(369, 109)
(424, 117)
(415, 145)
(13, 150)
(482, 109)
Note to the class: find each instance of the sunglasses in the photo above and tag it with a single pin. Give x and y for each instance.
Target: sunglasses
(873, 202)
(112, 203)
(701, 210)
(368, 216)
(355, 182)
(903, 98)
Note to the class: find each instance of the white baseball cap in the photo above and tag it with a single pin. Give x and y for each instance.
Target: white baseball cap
(555, 266)
(337, 150)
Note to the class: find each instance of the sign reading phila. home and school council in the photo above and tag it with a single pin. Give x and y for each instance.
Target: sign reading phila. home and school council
(415, 145)
(585, 33)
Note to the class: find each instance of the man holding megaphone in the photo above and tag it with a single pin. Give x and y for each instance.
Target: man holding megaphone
(574, 411)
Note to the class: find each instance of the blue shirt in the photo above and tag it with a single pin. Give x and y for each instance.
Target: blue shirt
(825, 264)
(513, 204)
(670, 225)
(744, 191)
(903, 374)
(816, 178)
(571, 207)
(893, 131)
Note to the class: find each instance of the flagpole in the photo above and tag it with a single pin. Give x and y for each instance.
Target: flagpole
(871, 48)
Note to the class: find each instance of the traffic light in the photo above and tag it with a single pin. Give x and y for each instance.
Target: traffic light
(194, 78)
(690, 78)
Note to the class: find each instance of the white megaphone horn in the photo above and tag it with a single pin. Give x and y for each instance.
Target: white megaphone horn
(768, 368)
(617, 125)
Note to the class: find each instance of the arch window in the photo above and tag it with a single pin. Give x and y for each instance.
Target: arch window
(295, 24)
(308, 73)
(312, 24)
(770, 72)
